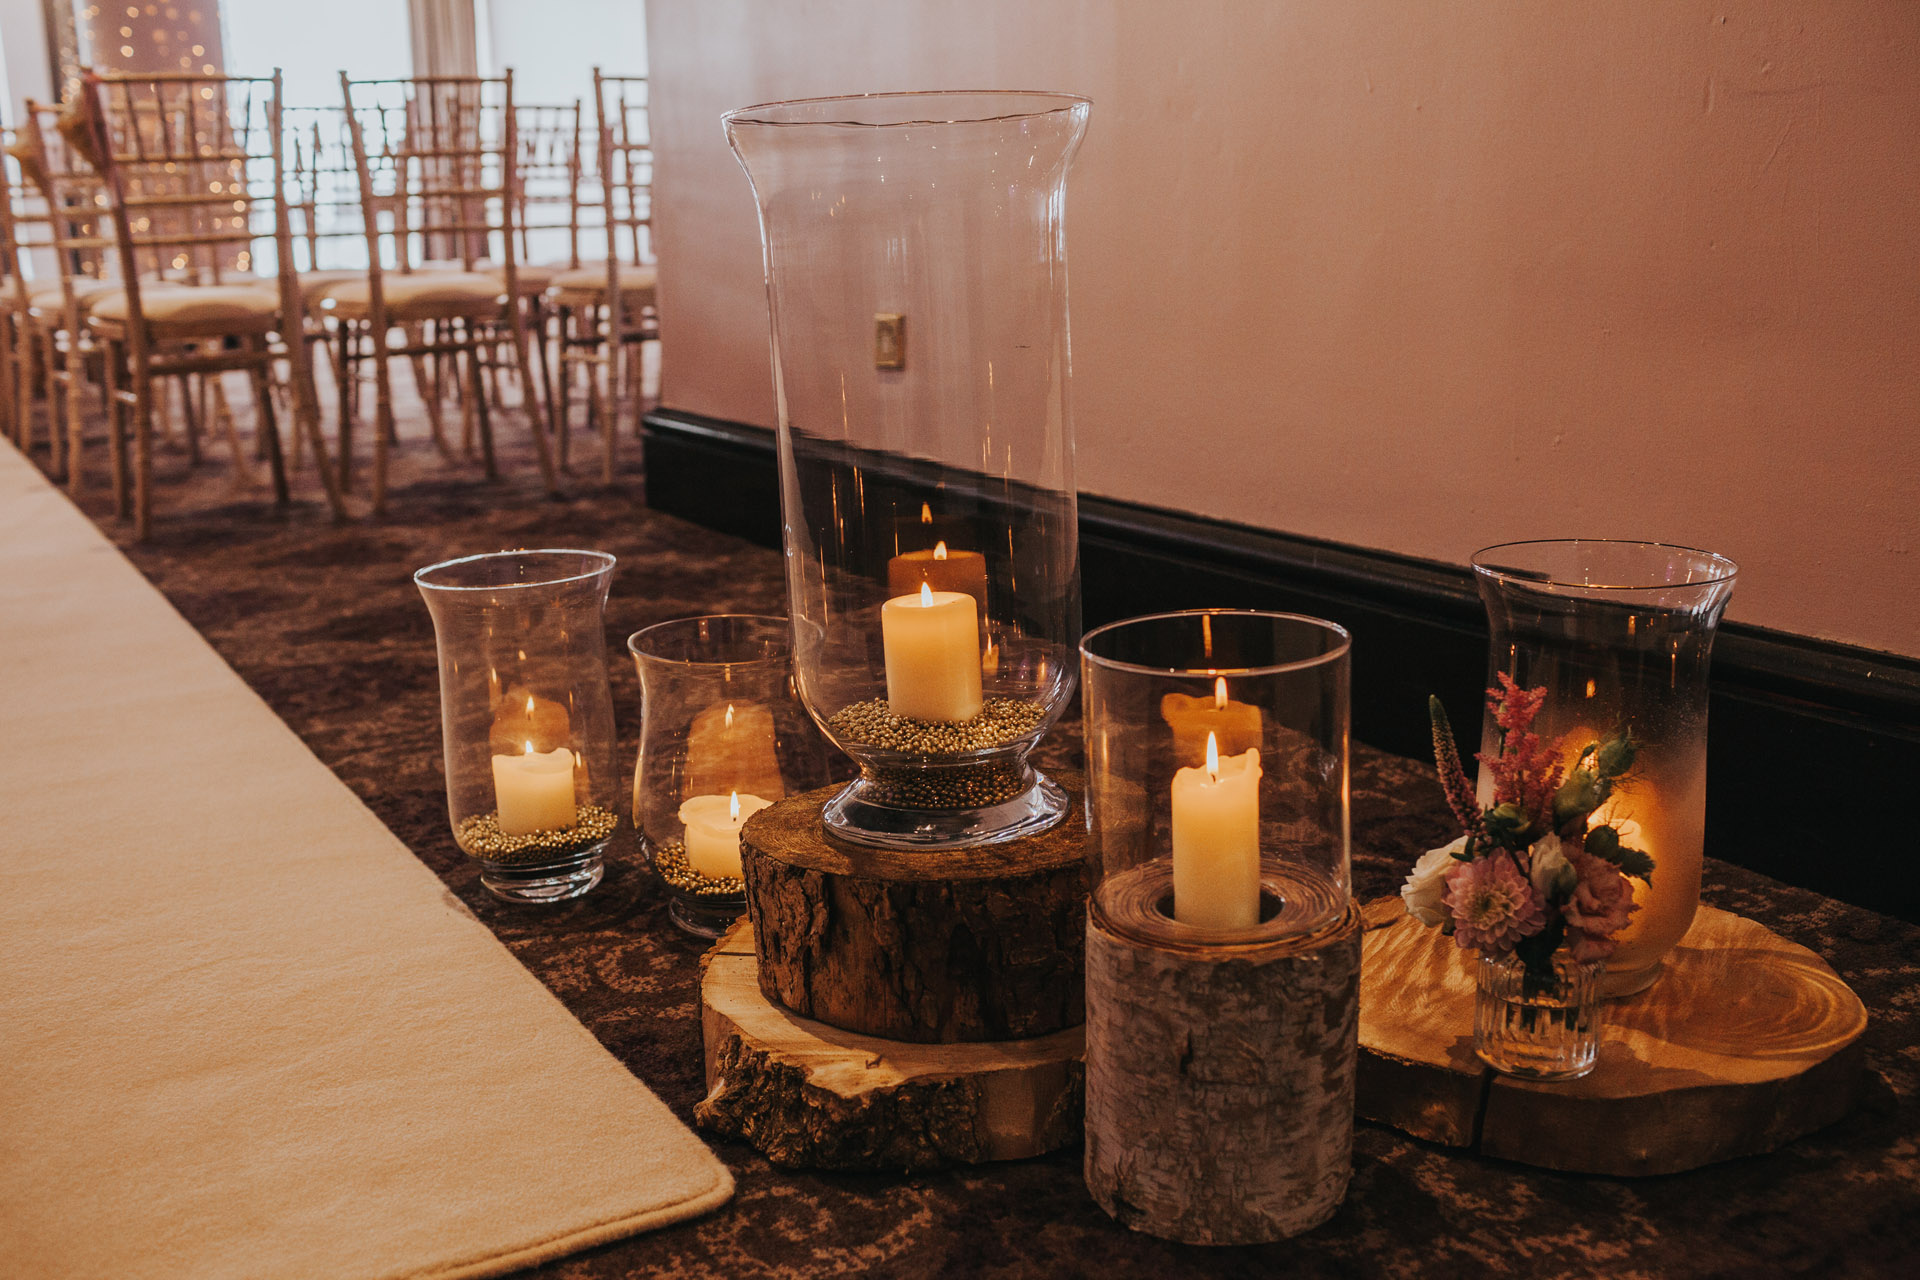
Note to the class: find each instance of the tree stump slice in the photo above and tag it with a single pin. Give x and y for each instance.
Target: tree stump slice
(1220, 1081)
(812, 1096)
(1746, 1042)
(934, 946)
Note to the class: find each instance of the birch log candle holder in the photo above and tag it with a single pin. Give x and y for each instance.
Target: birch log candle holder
(1223, 949)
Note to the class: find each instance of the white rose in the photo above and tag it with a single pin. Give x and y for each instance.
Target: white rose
(1553, 875)
(1424, 887)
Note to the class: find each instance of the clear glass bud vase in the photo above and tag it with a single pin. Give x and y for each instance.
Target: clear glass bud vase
(527, 716)
(1621, 635)
(1537, 1026)
(916, 280)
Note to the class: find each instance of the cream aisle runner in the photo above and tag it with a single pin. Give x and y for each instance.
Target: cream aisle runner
(243, 1031)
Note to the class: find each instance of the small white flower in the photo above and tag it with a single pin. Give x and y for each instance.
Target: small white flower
(1423, 889)
(1553, 876)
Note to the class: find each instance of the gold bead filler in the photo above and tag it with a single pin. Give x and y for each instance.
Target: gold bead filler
(1001, 722)
(670, 860)
(481, 837)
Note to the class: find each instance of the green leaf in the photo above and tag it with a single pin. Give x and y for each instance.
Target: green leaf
(1604, 842)
(1637, 863)
(1616, 756)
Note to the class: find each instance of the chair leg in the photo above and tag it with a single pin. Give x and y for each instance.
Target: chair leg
(305, 395)
(426, 384)
(75, 423)
(343, 380)
(477, 397)
(56, 447)
(142, 454)
(191, 413)
(117, 431)
(384, 431)
(220, 410)
(266, 423)
(9, 336)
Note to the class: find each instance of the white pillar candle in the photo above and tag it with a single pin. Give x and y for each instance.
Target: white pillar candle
(713, 831)
(1216, 841)
(533, 790)
(932, 643)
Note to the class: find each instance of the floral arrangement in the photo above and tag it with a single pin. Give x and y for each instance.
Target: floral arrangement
(1533, 871)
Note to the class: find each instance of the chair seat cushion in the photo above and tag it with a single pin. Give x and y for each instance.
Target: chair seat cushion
(47, 300)
(313, 284)
(419, 294)
(589, 279)
(250, 305)
(528, 278)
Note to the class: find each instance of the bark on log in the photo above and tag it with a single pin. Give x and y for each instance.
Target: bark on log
(938, 947)
(809, 1096)
(1745, 1042)
(1220, 1081)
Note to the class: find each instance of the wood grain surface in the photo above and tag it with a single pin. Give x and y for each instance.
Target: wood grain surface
(1746, 1042)
(936, 946)
(809, 1095)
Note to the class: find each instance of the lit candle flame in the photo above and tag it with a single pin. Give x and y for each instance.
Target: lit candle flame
(729, 715)
(939, 551)
(529, 746)
(1220, 693)
(733, 807)
(1213, 758)
(926, 514)
(926, 596)
(529, 704)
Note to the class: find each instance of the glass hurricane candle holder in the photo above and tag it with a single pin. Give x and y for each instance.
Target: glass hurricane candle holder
(722, 737)
(526, 716)
(1217, 774)
(916, 278)
(1621, 635)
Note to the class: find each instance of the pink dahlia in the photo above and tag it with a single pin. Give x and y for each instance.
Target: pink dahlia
(1598, 907)
(1493, 905)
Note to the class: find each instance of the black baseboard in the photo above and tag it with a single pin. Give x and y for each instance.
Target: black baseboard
(1813, 743)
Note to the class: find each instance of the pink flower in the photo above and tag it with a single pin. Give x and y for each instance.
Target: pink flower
(1493, 906)
(1598, 907)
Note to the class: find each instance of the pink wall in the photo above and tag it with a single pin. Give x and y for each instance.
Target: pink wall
(1430, 276)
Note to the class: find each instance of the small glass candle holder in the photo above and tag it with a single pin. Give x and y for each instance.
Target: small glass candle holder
(1217, 795)
(722, 737)
(527, 716)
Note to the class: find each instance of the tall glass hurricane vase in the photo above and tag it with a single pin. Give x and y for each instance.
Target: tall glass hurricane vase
(1621, 634)
(916, 278)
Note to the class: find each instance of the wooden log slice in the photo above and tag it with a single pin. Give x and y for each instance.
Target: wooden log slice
(1745, 1042)
(811, 1096)
(935, 946)
(1220, 1082)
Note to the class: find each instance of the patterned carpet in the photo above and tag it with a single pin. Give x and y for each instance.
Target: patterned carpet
(324, 623)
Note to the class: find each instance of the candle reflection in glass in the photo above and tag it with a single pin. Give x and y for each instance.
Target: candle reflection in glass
(722, 737)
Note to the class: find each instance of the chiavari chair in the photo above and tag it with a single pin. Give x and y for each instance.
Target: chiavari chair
(79, 240)
(610, 306)
(436, 163)
(194, 170)
(16, 399)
